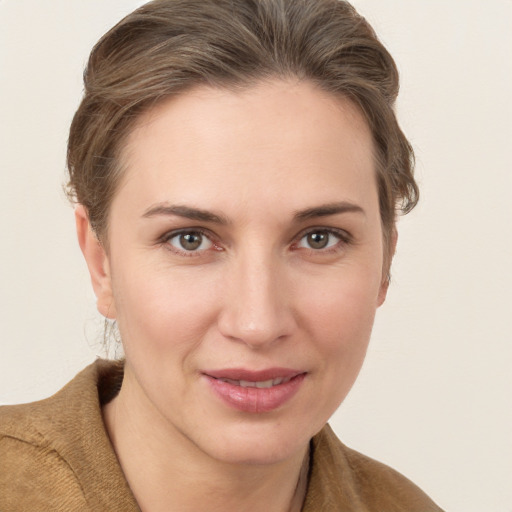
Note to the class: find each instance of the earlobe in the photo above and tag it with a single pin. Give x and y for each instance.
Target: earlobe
(383, 291)
(97, 263)
(386, 276)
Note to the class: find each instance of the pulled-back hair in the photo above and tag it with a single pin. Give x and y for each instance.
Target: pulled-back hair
(169, 46)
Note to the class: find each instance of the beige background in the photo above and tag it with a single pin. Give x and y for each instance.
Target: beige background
(434, 399)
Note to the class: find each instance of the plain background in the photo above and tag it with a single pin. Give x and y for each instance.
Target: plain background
(434, 399)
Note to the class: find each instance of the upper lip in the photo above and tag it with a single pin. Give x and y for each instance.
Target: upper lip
(253, 375)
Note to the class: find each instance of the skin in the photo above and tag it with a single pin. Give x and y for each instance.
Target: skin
(255, 294)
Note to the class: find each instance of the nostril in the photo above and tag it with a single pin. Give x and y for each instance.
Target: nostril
(268, 329)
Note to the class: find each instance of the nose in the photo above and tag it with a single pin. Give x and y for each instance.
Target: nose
(257, 308)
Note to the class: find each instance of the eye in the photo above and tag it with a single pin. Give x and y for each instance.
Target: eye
(320, 239)
(190, 241)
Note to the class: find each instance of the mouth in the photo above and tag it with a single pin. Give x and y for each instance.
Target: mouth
(255, 392)
(262, 384)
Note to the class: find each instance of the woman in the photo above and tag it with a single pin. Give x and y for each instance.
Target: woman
(237, 169)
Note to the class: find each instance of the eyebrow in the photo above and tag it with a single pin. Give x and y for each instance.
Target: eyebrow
(327, 209)
(201, 215)
(186, 212)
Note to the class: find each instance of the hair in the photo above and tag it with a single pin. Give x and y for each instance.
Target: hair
(169, 46)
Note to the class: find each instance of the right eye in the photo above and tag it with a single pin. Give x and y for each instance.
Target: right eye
(190, 241)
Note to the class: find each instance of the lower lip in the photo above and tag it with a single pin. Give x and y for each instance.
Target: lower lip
(256, 400)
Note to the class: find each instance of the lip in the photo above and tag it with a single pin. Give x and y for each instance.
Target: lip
(254, 399)
(252, 375)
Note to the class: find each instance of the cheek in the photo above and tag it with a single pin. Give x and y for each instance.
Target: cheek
(343, 308)
(164, 312)
(338, 326)
(340, 320)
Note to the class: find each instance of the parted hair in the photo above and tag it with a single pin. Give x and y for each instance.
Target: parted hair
(168, 46)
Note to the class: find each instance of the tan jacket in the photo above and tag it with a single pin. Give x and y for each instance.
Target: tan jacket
(55, 455)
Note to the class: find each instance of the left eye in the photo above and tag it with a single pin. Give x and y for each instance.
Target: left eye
(320, 239)
(190, 241)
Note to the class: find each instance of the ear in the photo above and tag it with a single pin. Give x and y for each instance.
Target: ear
(97, 262)
(383, 291)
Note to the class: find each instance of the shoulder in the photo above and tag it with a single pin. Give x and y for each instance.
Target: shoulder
(31, 465)
(56, 455)
(353, 481)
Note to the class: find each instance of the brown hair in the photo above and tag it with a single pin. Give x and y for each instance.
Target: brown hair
(168, 46)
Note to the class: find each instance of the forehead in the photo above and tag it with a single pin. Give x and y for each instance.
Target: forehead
(208, 144)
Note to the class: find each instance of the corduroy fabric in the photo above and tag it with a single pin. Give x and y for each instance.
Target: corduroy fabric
(55, 455)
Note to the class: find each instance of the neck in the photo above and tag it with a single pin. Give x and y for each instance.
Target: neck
(167, 471)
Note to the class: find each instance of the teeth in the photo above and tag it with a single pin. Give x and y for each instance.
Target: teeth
(265, 384)
(229, 381)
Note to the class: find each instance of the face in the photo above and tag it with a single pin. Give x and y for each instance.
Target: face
(244, 266)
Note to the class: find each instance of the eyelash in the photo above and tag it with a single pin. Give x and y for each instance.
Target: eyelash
(165, 240)
(344, 239)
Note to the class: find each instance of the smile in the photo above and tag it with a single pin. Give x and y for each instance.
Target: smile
(265, 384)
(255, 392)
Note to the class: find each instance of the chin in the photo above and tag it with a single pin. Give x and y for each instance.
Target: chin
(256, 444)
